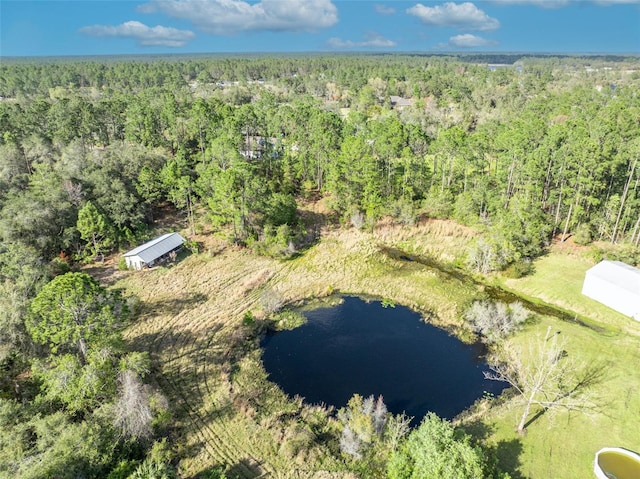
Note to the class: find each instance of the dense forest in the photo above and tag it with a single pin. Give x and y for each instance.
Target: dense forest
(93, 151)
(528, 150)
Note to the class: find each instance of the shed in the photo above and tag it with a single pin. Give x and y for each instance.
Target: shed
(399, 102)
(154, 251)
(616, 285)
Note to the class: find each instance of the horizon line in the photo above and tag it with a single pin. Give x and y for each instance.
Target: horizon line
(326, 53)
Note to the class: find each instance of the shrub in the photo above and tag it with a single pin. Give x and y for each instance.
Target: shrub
(519, 269)
(287, 319)
(123, 470)
(133, 304)
(192, 246)
(248, 319)
(122, 264)
(154, 470)
(437, 449)
(275, 242)
(438, 205)
(404, 211)
(583, 234)
(495, 321)
(627, 254)
(212, 473)
(60, 265)
(357, 220)
(271, 301)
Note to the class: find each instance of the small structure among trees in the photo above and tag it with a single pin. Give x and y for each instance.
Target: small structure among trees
(154, 251)
(616, 285)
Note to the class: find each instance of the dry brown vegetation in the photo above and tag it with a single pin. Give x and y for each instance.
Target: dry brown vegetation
(208, 362)
(206, 356)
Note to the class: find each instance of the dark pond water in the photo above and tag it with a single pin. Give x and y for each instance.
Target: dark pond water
(362, 347)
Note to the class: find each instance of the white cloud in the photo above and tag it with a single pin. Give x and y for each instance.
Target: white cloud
(144, 35)
(384, 9)
(371, 40)
(564, 3)
(538, 3)
(463, 15)
(470, 41)
(606, 3)
(227, 17)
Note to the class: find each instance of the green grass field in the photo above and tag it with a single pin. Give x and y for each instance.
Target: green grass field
(563, 445)
(558, 280)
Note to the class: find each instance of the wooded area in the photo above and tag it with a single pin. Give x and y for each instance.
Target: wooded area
(93, 151)
(531, 150)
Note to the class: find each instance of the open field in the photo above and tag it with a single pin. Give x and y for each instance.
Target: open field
(564, 445)
(207, 361)
(558, 280)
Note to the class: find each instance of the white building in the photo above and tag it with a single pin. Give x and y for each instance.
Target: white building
(154, 251)
(614, 284)
(399, 102)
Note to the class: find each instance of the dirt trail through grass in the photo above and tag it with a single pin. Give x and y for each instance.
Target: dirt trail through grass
(188, 314)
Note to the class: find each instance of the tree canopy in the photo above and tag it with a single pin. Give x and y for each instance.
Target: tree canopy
(92, 152)
(72, 311)
(437, 449)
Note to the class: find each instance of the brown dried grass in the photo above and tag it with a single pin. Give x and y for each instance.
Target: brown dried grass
(208, 364)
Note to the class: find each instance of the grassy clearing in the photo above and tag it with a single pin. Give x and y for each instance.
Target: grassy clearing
(207, 360)
(191, 321)
(442, 240)
(563, 445)
(558, 280)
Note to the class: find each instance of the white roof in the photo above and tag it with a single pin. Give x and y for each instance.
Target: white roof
(399, 101)
(157, 247)
(616, 272)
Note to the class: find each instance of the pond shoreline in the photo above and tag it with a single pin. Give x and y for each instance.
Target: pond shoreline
(360, 346)
(494, 292)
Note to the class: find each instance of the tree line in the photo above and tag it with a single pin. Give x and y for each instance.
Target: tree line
(526, 154)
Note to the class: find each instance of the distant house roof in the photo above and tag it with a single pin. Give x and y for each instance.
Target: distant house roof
(155, 248)
(398, 101)
(614, 284)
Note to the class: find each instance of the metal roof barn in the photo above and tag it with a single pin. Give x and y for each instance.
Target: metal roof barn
(151, 252)
(616, 285)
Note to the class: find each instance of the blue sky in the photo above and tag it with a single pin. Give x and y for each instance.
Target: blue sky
(76, 27)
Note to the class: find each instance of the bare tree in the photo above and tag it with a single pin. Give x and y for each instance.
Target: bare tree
(486, 256)
(495, 320)
(397, 428)
(379, 416)
(544, 375)
(134, 408)
(482, 257)
(271, 301)
(364, 421)
(350, 443)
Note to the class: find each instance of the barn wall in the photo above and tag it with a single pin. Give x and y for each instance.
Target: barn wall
(610, 295)
(133, 262)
